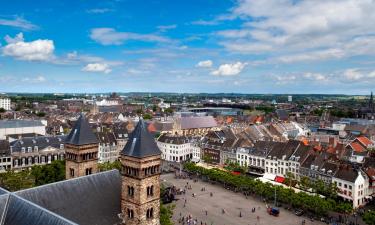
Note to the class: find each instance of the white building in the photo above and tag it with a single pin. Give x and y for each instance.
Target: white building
(108, 150)
(8, 127)
(177, 148)
(353, 185)
(5, 103)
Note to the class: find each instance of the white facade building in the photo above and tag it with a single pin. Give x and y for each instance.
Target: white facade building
(177, 148)
(108, 150)
(353, 185)
(5, 103)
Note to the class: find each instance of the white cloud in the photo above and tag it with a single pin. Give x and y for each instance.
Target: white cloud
(353, 74)
(17, 38)
(205, 22)
(97, 67)
(303, 30)
(99, 10)
(38, 50)
(164, 28)
(18, 22)
(315, 76)
(205, 64)
(109, 36)
(37, 79)
(229, 69)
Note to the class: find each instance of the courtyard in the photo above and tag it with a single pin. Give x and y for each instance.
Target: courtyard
(233, 204)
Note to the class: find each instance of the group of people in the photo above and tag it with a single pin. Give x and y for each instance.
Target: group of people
(188, 220)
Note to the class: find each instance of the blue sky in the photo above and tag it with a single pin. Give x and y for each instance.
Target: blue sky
(244, 46)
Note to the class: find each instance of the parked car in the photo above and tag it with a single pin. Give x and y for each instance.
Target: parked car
(299, 212)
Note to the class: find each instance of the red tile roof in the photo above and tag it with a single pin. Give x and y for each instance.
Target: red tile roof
(357, 147)
(364, 140)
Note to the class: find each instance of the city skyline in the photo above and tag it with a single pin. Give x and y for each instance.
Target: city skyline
(245, 46)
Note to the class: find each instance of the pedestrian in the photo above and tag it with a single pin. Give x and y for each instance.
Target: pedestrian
(240, 214)
(206, 212)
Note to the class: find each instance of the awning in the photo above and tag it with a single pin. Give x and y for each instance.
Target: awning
(279, 179)
(269, 176)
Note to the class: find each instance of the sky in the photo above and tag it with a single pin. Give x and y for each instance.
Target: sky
(210, 46)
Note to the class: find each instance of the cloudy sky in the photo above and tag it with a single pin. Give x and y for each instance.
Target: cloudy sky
(244, 46)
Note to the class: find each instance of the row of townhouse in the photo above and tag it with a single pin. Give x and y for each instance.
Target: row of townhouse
(301, 160)
(25, 152)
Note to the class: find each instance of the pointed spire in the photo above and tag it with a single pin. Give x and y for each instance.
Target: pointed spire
(371, 103)
(141, 143)
(81, 134)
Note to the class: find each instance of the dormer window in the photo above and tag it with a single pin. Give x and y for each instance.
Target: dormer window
(23, 149)
(35, 148)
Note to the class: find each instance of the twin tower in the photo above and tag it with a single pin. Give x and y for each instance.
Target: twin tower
(140, 160)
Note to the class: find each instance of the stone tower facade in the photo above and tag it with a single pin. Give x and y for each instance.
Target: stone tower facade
(81, 150)
(140, 159)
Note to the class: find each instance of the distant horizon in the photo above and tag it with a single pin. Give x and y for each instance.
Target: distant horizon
(181, 93)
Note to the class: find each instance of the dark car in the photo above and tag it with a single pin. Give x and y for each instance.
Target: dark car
(299, 212)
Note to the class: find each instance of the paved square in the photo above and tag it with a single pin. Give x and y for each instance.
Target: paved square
(233, 203)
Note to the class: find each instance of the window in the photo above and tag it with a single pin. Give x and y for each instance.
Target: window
(130, 191)
(150, 213)
(88, 171)
(71, 172)
(130, 213)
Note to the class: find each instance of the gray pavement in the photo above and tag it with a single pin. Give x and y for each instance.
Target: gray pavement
(233, 203)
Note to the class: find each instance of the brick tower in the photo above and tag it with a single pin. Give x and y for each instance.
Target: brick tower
(81, 150)
(140, 159)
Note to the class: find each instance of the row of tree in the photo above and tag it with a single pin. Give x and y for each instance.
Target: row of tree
(309, 202)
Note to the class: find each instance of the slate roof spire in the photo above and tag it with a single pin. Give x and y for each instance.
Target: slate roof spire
(141, 143)
(81, 134)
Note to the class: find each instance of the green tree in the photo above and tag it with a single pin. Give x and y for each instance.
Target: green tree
(41, 114)
(289, 179)
(147, 116)
(369, 217)
(168, 110)
(2, 110)
(305, 183)
(109, 166)
(45, 174)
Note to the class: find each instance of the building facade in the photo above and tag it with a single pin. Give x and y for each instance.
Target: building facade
(5, 103)
(176, 148)
(29, 151)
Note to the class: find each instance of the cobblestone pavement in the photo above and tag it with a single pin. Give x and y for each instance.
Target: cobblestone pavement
(232, 203)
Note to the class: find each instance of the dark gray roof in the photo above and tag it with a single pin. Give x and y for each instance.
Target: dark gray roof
(91, 200)
(81, 134)
(347, 173)
(17, 211)
(106, 138)
(141, 143)
(171, 139)
(41, 141)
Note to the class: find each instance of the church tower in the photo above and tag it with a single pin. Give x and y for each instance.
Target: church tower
(81, 150)
(140, 160)
(371, 103)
